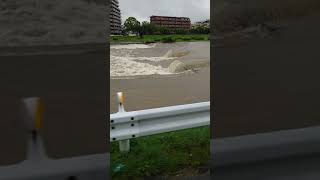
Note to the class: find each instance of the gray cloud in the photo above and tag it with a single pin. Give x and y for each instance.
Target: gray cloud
(196, 10)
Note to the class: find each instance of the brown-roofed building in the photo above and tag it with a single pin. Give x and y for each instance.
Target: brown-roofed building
(171, 22)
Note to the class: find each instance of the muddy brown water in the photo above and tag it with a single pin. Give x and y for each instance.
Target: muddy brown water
(133, 60)
(153, 91)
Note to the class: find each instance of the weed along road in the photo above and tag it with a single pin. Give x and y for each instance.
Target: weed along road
(70, 80)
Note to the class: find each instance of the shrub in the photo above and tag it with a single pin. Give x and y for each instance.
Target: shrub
(168, 40)
(149, 41)
(181, 31)
(164, 30)
(198, 38)
(115, 38)
(187, 39)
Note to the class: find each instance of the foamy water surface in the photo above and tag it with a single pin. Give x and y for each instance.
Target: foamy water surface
(133, 60)
(129, 60)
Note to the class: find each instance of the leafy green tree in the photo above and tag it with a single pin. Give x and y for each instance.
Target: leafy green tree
(200, 29)
(144, 29)
(147, 28)
(181, 31)
(131, 24)
(164, 30)
(152, 28)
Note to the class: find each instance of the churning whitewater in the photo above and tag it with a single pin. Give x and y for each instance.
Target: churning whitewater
(132, 60)
(128, 60)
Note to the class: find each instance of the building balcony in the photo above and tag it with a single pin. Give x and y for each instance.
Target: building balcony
(115, 1)
(115, 6)
(115, 14)
(117, 20)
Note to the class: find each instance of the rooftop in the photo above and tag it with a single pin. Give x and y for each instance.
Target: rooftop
(168, 16)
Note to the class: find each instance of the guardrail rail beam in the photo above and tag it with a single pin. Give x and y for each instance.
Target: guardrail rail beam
(128, 125)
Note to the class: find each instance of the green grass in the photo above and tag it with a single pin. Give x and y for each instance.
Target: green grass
(168, 40)
(160, 38)
(162, 154)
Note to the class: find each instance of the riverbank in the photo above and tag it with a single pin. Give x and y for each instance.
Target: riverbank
(159, 38)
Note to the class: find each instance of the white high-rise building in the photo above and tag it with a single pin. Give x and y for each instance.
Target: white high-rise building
(115, 18)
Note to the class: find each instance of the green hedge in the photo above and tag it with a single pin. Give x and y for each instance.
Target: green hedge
(168, 40)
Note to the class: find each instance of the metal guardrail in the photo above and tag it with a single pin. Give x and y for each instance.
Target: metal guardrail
(127, 125)
(38, 166)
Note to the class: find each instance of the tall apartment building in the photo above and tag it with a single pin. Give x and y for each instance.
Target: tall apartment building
(115, 17)
(171, 22)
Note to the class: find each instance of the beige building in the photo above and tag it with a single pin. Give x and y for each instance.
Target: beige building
(171, 22)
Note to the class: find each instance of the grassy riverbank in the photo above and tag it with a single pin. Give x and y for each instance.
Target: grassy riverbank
(160, 38)
(162, 154)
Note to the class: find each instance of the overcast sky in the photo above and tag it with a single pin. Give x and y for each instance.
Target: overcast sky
(196, 10)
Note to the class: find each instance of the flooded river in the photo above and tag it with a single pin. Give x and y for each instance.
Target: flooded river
(134, 60)
(157, 75)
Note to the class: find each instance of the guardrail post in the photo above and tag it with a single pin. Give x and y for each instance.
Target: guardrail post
(124, 145)
(35, 151)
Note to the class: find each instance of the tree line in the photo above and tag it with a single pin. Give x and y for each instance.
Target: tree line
(132, 25)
